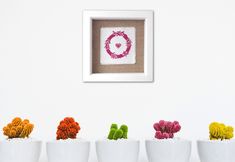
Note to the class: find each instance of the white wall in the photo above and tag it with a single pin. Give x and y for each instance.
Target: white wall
(41, 69)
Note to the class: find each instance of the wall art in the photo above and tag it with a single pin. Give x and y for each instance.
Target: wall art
(117, 46)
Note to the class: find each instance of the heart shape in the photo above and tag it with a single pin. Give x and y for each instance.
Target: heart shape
(118, 45)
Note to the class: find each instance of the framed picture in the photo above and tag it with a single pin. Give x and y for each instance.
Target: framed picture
(118, 46)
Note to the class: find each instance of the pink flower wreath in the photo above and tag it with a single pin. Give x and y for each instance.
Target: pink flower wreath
(108, 41)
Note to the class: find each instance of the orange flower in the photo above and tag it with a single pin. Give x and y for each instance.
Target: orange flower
(18, 128)
(67, 128)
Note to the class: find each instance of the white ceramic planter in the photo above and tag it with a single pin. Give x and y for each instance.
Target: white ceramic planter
(168, 150)
(123, 150)
(72, 150)
(216, 150)
(20, 150)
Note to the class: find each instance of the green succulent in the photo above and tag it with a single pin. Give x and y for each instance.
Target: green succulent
(111, 133)
(124, 128)
(116, 133)
(115, 126)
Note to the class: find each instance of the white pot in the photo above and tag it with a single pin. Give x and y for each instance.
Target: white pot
(122, 150)
(20, 150)
(71, 150)
(216, 150)
(168, 150)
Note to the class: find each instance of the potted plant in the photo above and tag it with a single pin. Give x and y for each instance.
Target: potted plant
(219, 147)
(67, 147)
(117, 147)
(18, 147)
(165, 147)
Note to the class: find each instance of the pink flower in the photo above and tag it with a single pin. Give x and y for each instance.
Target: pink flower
(156, 126)
(176, 128)
(158, 135)
(166, 129)
(171, 135)
(176, 123)
(162, 123)
(165, 135)
(169, 126)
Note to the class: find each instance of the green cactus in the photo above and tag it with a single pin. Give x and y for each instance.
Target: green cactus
(115, 126)
(111, 133)
(116, 133)
(124, 128)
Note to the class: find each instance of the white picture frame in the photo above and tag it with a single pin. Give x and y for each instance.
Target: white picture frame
(147, 75)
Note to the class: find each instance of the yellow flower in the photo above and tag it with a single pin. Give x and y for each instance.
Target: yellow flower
(220, 131)
(229, 132)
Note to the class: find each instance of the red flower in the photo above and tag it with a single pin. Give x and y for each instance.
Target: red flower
(67, 128)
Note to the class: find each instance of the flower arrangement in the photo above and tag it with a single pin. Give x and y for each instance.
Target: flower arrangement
(68, 128)
(18, 128)
(219, 131)
(118, 133)
(166, 129)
